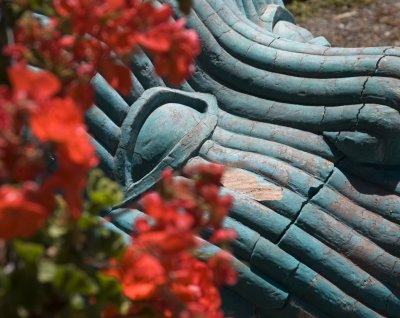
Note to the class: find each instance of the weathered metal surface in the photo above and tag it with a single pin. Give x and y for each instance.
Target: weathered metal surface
(244, 182)
(318, 125)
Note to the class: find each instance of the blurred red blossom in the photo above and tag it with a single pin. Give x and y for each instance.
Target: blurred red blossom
(20, 214)
(45, 151)
(165, 241)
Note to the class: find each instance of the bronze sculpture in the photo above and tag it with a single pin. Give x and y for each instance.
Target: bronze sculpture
(320, 123)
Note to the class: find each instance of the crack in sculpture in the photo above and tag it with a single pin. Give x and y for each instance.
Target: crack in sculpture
(270, 99)
(312, 195)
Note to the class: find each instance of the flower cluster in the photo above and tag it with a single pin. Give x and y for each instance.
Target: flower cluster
(40, 124)
(50, 236)
(74, 45)
(42, 114)
(159, 270)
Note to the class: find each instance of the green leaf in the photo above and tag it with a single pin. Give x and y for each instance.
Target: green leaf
(110, 287)
(28, 251)
(88, 222)
(22, 312)
(57, 230)
(77, 302)
(73, 280)
(102, 191)
(110, 243)
(46, 271)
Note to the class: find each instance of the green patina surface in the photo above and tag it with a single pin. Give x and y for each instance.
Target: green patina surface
(321, 123)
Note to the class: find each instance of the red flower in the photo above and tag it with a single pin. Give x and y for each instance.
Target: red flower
(156, 207)
(56, 120)
(209, 173)
(147, 18)
(173, 61)
(221, 265)
(70, 178)
(81, 93)
(37, 85)
(77, 11)
(20, 216)
(163, 242)
(166, 213)
(218, 205)
(193, 286)
(19, 161)
(117, 75)
(6, 111)
(80, 149)
(166, 242)
(158, 271)
(130, 29)
(223, 235)
(28, 162)
(60, 121)
(140, 274)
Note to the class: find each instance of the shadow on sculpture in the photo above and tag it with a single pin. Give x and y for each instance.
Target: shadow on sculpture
(320, 124)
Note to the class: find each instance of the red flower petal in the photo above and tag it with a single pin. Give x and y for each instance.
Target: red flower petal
(37, 85)
(19, 215)
(117, 75)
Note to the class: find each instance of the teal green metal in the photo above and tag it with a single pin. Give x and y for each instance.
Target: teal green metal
(273, 101)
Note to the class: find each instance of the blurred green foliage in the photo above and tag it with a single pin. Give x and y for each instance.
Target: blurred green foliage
(59, 272)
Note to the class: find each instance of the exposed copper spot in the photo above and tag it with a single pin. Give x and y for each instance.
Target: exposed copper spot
(248, 184)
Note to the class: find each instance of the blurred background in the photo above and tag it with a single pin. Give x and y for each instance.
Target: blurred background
(350, 23)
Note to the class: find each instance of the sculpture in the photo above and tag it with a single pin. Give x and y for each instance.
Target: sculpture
(320, 123)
